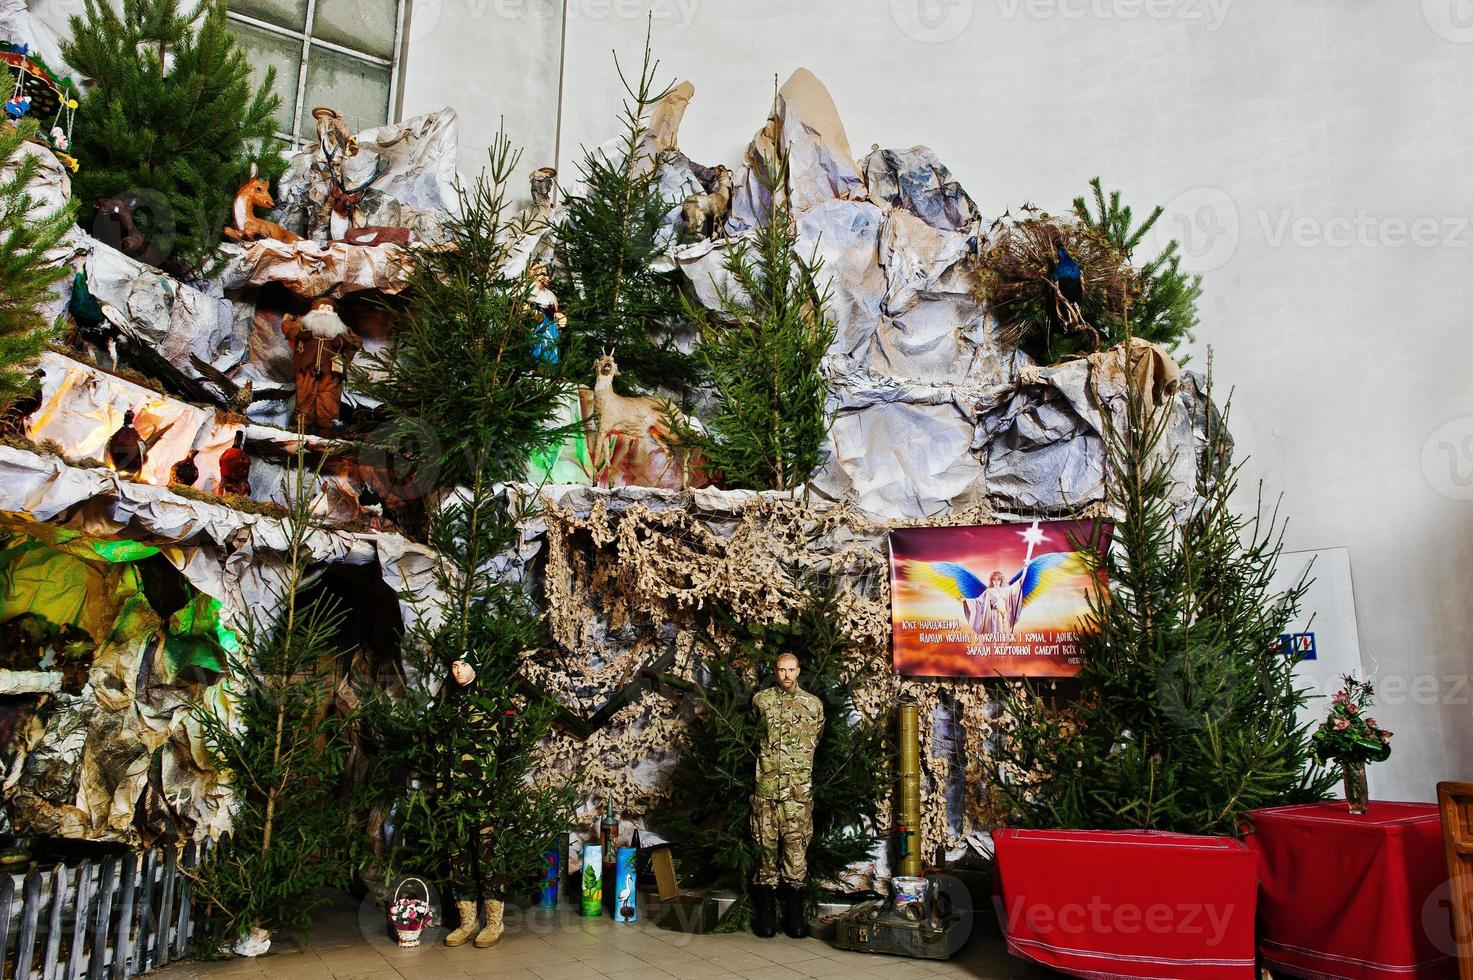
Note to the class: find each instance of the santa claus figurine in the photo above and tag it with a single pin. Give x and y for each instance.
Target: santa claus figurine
(322, 347)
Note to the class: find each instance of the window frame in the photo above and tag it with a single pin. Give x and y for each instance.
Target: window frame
(306, 40)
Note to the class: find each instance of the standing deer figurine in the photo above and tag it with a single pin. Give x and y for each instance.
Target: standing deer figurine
(245, 226)
(636, 418)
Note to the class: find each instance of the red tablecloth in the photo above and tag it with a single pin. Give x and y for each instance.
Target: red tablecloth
(1353, 897)
(1138, 904)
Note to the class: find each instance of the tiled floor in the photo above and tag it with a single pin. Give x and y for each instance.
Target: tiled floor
(349, 943)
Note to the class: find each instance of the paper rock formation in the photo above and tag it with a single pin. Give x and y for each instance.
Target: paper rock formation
(931, 414)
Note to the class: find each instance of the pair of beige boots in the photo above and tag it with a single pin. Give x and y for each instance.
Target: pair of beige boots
(487, 937)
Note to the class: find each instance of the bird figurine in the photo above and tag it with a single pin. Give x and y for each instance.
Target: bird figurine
(371, 505)
(13, 419)
(92, 324)
(1065, 290)
(186, 471)
(235, 469)
(241, 400)
(126, 449)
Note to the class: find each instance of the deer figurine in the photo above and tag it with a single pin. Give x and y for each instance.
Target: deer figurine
(636, 419)
(245, 226)
(705, 212)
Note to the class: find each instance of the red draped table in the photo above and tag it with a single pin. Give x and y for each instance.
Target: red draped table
(1136, 904)
(1346, 897)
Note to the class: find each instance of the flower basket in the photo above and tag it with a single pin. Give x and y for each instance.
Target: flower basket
(408, 915)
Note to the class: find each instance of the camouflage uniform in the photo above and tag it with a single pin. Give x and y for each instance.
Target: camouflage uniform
(782, 806)
(469, 745)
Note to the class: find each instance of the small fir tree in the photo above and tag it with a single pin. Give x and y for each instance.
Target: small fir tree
(463, 380)
(707, 814)
(26, 278)
(1187, 716)
(1163, 300)
(609, 242)
(453, 761)
(170, 119)
(283, 755)
(762, 353)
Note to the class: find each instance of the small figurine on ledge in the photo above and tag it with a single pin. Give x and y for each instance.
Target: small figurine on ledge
(371, 506)
(553, 319)
(235, 469)
(543, 183)
(245, 226)
(114, 224)
(334, 203)
(186, 471)
(13, 419)
(126, 449)
(626, 428)
(322, 347)
(705, 213)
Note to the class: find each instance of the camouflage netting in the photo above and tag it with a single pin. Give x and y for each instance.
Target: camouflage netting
(628, 576)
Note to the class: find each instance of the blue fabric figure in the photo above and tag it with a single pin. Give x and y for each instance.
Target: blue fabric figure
(545, 349)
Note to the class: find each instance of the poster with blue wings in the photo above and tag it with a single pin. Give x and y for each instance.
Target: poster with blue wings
(1001, 600)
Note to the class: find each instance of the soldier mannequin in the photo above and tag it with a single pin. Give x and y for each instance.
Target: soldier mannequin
(782, 804)
(468, 880)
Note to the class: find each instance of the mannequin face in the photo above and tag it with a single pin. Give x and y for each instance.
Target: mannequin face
(787, 672)
(462, 672)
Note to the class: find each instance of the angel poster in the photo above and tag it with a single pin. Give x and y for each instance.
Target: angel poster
(1005, 600)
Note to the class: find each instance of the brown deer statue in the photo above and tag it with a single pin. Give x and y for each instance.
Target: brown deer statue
(245, 226)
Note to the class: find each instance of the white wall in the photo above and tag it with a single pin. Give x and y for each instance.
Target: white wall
(496, 62)
(1348, 358)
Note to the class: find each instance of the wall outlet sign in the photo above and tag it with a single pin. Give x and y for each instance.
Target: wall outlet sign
(1301, 644)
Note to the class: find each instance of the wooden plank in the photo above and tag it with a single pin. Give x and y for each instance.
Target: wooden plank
(144, 900)
(186, 895)
(123, 950)
(30, 912)
(80, 906)
(166, 906)
(52, 956)
(7, 897)
(1455, 804)
(103, 919)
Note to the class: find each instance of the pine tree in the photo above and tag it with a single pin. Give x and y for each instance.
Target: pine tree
(1187, 713)
(608, 245)
(707, 815)
(171, 119)
(462, 379)
(26, 280)
(762, 353)
(452, 761)
(282, 753)
(1163, 302)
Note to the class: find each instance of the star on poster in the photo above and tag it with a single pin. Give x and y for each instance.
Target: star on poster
(1003, 600)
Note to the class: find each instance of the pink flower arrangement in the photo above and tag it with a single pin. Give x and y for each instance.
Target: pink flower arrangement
(411, 913)
(1347, 735)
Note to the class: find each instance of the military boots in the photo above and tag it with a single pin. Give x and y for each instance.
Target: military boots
(795, 923)
(764, 911)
